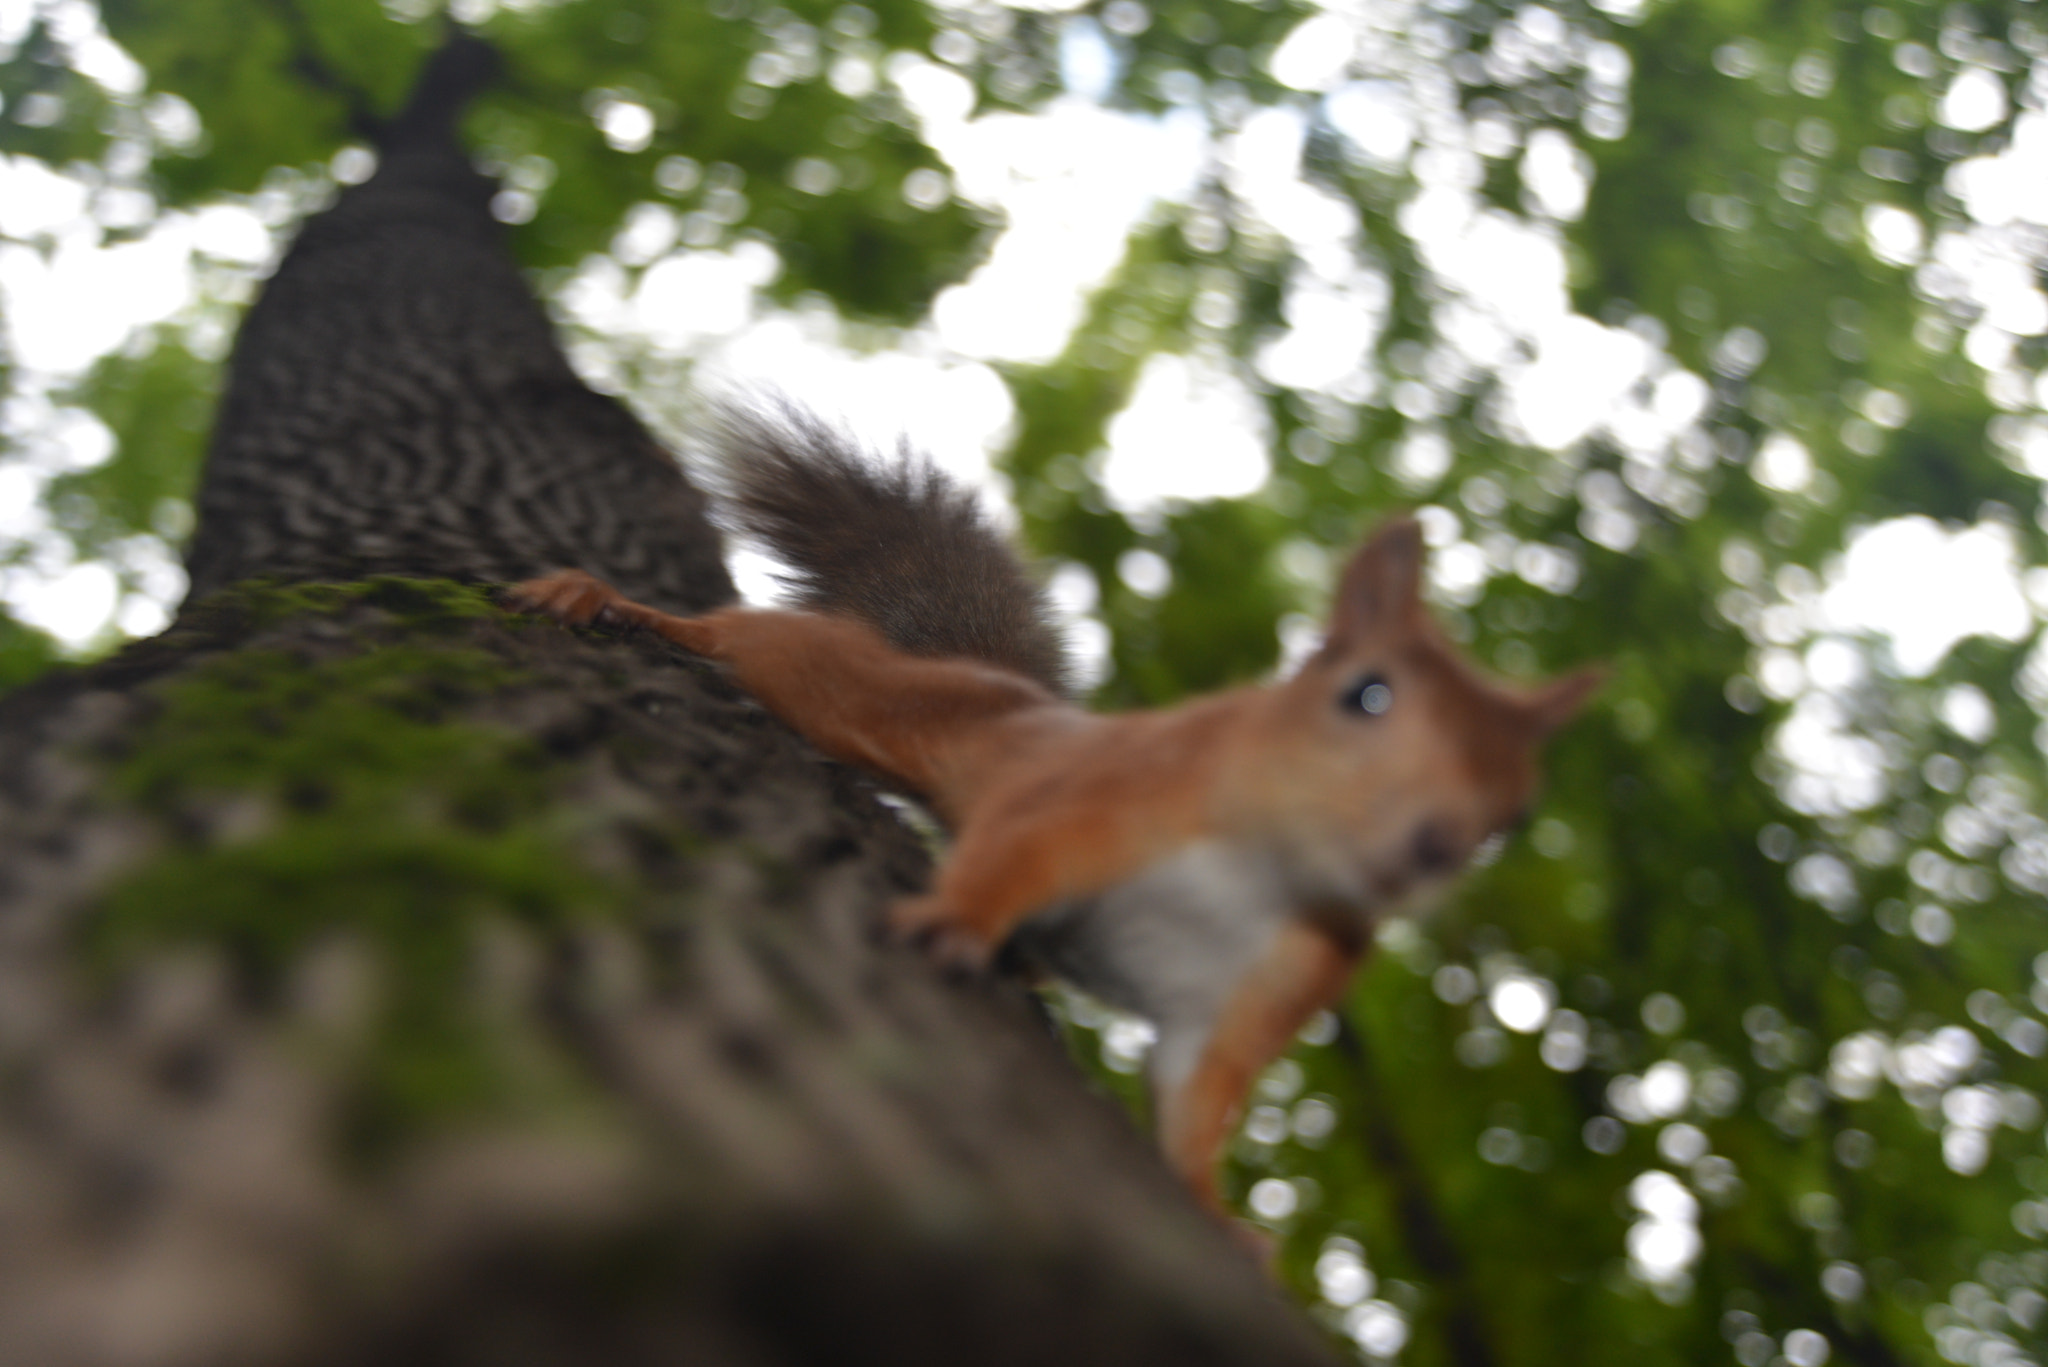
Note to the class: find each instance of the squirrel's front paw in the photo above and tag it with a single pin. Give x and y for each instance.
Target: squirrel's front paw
(569, 596)
(933, 927)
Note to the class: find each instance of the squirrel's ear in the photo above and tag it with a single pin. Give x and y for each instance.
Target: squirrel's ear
(1558, 701)
(1382, 583)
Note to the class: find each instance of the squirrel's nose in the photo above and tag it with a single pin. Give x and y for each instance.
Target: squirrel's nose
(1437, 848)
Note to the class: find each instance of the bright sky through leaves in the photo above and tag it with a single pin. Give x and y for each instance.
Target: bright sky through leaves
(1064, 179)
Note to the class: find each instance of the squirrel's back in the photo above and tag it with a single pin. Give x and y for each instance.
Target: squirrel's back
(894, 544)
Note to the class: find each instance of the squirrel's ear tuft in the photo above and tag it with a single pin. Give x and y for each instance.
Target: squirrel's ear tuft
(1382, 584)
(1558, 701)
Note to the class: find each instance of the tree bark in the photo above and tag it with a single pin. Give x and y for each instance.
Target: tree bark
(388, 977)
(398, 404)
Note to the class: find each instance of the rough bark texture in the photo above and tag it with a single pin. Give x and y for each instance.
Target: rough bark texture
(398, 404)
(385, 977)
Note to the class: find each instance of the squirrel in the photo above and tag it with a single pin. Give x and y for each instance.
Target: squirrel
(1215, 867)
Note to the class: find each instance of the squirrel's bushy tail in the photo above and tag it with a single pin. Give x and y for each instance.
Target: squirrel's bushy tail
(893, 543)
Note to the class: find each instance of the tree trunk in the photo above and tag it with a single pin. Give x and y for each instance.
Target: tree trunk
(386, 977)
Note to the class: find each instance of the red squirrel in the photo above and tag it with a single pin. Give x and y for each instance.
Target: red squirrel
(1216, 867)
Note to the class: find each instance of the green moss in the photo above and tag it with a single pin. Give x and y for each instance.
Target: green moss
(320, 733)
(416, 602)
(356, 796)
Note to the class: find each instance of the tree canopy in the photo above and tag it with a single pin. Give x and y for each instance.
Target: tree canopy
(1707, 340)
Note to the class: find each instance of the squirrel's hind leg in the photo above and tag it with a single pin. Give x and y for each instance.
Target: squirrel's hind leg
(578, 599)
(569, 596)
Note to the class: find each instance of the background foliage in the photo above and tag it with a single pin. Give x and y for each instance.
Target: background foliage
(1739, 1054)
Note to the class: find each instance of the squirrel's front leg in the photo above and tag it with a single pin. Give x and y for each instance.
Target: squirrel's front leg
(929, 922)
(1304, 970)
(997, 874)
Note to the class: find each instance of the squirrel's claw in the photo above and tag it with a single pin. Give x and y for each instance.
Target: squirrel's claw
(569, 596)
(926, 923)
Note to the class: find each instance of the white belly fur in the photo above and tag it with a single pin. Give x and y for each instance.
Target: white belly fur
(1171, 944)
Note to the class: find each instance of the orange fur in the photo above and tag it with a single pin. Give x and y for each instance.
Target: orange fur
(1305, 971)
(1329, 811)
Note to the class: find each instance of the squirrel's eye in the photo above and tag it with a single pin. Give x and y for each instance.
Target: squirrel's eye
(1369, 695)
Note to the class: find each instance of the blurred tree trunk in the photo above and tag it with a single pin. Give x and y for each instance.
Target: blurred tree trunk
(387, 977)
